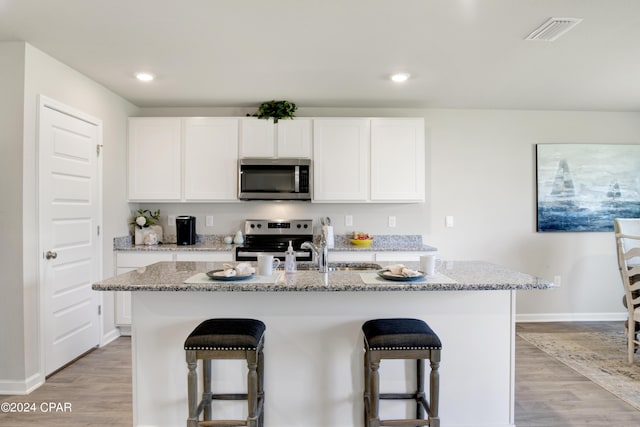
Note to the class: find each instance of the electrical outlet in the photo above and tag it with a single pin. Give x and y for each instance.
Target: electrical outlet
(209, 220)
(392, 221)
(171, 220)
(348, 220)
(557, 280)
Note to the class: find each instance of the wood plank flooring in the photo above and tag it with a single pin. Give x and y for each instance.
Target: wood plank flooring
(548, 394)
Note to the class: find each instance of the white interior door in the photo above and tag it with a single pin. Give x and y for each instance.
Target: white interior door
(69, 211)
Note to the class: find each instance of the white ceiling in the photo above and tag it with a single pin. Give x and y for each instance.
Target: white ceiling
(339, 53)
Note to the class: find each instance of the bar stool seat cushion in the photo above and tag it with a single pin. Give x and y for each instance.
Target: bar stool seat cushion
(400, 334)
(226, 334)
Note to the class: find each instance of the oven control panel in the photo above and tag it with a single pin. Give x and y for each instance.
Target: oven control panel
(278, 227)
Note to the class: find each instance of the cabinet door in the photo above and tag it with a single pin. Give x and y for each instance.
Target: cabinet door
(397, 160)
(154, 158)
(125, 262)
(257, 138)
(205, 256)
(294, 138)
(340, 160)
(211, 159)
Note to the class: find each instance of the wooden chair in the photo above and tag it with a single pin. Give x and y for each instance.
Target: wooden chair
(400, 338)
(628, 250)
(226, 339)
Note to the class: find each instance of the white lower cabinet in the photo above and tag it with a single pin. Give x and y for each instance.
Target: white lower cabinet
(384, 256)
(128, 261)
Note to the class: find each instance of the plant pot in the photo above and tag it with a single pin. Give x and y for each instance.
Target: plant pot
(151, 235)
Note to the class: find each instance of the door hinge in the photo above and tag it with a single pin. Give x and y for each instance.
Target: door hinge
(98, 230)
(99, 310)
(98, 149)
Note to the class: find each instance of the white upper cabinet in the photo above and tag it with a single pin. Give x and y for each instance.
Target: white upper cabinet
(294, 138)
(397, 160)
(287, 138)
(257, 138)
(183, 159)
(154, 169)
(211, 159)
(341, 160)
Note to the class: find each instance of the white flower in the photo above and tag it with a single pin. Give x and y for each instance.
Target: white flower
(141, 221)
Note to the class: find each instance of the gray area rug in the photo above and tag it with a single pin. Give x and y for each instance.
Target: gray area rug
(601, 357)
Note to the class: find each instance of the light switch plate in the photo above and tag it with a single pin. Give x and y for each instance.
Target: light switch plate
(392, 221)
(348, 220)
(448, 220)
(171, 220)
(209, 220)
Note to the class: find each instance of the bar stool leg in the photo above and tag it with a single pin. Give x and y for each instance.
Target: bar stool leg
(434, 389)
(206, 393)
(261, 387)
(419, 388)
(374, 390)
(366, 393)
(252, 388)
(192, 386)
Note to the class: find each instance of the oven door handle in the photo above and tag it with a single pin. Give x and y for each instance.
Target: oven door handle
(256, 253)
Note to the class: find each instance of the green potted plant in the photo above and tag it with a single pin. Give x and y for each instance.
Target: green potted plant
(276, 110)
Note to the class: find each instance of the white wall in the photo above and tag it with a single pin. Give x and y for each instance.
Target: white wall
(12, 367)
(42, 74)
(481, 171)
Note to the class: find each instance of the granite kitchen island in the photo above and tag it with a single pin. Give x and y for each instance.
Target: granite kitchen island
(313, 344)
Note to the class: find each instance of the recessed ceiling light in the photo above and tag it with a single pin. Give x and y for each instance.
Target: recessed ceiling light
(145, 77)
(400, 77)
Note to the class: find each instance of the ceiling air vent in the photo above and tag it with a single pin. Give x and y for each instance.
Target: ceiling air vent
(553, 28)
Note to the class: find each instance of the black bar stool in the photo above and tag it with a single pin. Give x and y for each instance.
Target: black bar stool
(401, 339)
(226, 339)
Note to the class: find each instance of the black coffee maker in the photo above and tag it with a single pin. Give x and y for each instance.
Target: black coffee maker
(185, 230)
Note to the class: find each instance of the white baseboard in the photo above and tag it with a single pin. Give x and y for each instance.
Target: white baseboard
(571, 317)
(110, 336)
(21, 387)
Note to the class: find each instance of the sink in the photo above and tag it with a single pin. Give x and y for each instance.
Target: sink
(341, 266)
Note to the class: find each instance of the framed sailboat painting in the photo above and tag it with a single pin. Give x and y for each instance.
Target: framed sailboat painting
(583, 187)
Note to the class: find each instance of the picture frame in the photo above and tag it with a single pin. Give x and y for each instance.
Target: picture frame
(583, 187)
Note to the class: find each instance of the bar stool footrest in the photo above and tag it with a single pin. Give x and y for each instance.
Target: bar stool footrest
(404, 423)
(229, 396)
(222, 423)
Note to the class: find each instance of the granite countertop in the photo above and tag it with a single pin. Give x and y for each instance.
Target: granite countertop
(450, 276)
(215, 243)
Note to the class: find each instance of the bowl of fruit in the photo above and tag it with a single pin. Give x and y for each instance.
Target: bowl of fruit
(362, 239)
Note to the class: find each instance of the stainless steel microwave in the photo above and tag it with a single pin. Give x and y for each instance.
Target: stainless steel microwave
(274, 179)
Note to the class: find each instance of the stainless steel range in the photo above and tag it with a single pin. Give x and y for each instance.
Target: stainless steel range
(272, 236)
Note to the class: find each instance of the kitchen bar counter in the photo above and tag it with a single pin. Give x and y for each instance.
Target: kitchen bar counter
(452, 276)
(313, 344)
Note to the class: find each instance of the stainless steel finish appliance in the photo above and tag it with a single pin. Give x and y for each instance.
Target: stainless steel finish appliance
(272, 236)
(275, 179)
(185, 230)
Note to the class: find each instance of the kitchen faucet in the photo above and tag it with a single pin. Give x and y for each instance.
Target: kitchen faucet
(320, 251)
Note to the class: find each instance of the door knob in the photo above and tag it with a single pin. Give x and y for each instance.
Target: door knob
(51, 255)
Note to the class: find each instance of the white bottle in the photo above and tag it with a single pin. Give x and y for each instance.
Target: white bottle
(290, 260)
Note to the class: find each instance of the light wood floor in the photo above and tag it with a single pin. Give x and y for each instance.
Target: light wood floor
(548, 394)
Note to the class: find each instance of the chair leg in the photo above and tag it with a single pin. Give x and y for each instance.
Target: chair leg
(261, 387)
(374, 392)
(366, 394)
(419, 388)
(434, 389)
(192, 389)
(630, 345)
(252, 388)
(207, 392)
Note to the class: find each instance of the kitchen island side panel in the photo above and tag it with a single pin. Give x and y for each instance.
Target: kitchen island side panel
(313, 354)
